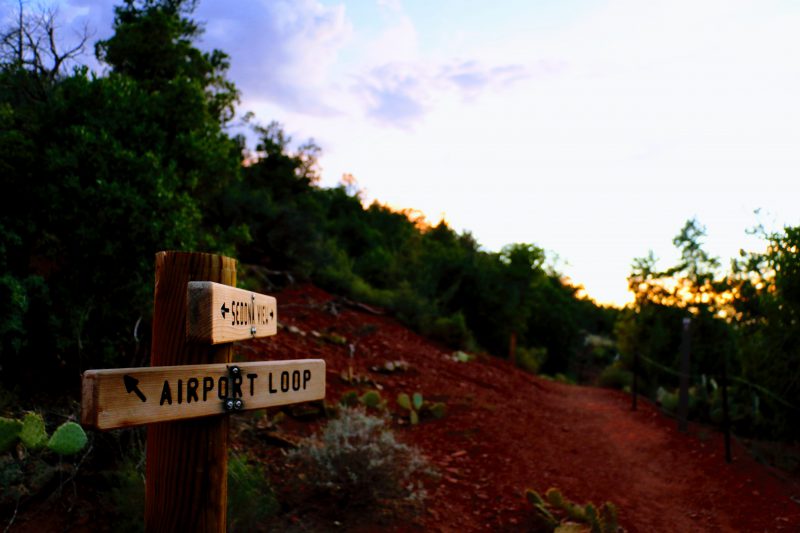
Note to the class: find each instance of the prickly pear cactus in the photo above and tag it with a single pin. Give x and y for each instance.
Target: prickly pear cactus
(68, 438)
(404, 401)
(438, 410)
(9, 431)
(349, 398)
(554, 497)
(371, 399)
(33, 435)
(608, 518)
(417, 401)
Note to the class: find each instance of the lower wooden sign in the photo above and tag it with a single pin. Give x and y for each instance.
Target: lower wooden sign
(124, 397)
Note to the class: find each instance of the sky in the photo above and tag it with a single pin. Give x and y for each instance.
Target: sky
(593, 129)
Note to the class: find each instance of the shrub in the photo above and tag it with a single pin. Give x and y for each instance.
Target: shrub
(451, 330)
(251, 499)
(357, 461)
(530, 359)
(125, 497)
(667, 399)
(615, 377)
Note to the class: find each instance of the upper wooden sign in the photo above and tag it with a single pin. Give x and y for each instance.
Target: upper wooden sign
(125, 397)
(219, 313)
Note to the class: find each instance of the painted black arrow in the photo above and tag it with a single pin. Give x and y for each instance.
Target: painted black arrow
(224, 310)
(131, 386)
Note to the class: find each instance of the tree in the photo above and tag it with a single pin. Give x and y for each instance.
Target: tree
(31, 44)
(107, 170)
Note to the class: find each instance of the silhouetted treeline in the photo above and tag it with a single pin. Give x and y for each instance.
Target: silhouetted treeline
(747, 319)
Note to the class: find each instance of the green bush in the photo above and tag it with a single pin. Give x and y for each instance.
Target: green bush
(615, 377)
(251, 499)
(530, 359)
(357, 461)
(667, 399)
(126, 495)
(451, 330)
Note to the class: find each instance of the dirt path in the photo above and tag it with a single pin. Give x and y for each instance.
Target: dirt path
(507, 430)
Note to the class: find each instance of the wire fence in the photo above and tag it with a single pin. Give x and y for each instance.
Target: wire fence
(723, 378)
(737, 379)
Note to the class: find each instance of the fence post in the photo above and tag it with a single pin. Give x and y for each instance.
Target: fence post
(187, 462)
(726, 423)
(635, 388)
(683, 400)
(512, 348)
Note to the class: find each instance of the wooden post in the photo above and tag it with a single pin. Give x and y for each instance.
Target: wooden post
(187, 461)
(683, 399)
(726, 423)
(635, 388)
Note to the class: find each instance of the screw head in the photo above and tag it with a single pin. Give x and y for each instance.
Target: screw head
(229, 405)
(235, 370)
(252, 330)
(238, 405)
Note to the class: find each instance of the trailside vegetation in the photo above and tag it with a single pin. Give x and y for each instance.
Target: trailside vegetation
(744, 321)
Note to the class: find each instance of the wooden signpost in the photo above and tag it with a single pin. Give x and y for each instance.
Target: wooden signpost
(192, 384)
(218, 313)
(133, 396)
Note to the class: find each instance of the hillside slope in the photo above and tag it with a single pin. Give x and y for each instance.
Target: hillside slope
(507, 430)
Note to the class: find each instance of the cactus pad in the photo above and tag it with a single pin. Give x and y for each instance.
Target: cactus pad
(68, 438)
(404, 401)
(9, 431)
(372, 399)
(438, 410)
(33, 434)
(417, 400)
(349, 398)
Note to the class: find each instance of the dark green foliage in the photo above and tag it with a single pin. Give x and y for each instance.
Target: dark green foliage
(349, 398)
(126, 494)
(615, 377)
(9, 432)
(251, 500)
(530, 359)
(372, 399)
(106, 171)
(452, 330)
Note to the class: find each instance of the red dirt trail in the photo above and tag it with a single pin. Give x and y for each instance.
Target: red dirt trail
(507, 430)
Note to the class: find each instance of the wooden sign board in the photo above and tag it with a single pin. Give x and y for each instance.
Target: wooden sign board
(124, 397)
(219, 313)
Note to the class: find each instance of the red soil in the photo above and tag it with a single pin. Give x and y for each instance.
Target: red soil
(507, 430)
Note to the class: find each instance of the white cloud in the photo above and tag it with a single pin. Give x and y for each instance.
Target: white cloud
(282, 51)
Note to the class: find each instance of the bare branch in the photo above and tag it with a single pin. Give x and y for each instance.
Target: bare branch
(33, 43)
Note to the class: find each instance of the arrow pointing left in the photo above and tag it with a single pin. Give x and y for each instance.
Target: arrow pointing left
(131, 385)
